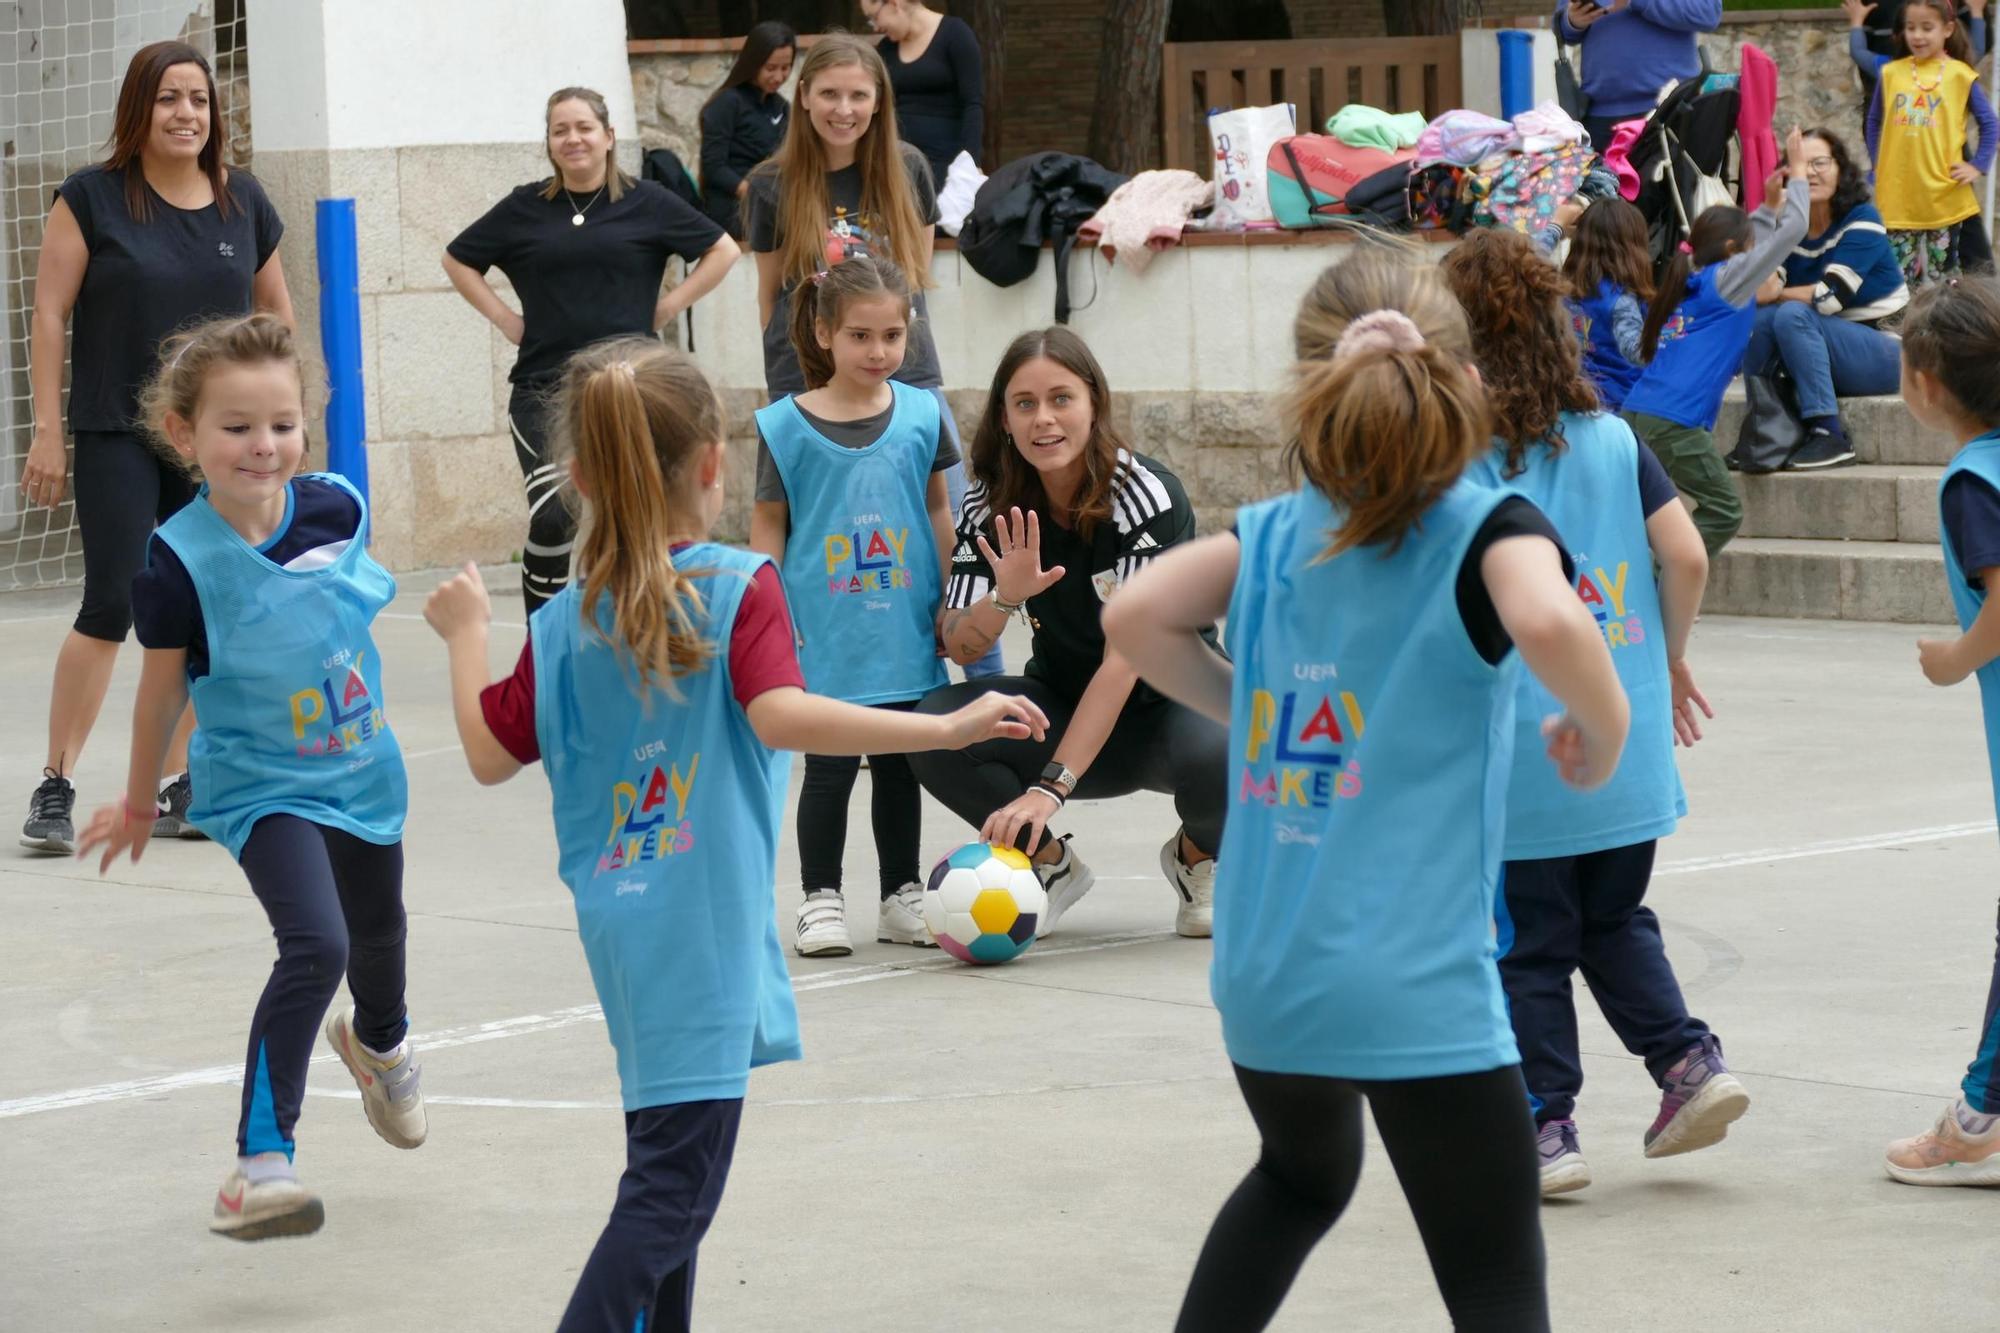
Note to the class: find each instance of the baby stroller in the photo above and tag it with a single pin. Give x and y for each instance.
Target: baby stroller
(1684, 158)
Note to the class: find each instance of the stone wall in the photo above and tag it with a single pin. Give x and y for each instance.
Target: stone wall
(668, 91)
(1817, 82)
(443, 481)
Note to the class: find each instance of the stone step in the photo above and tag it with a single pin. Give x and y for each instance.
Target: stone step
(1882, 429)
(1830, 580)
(1880, 502)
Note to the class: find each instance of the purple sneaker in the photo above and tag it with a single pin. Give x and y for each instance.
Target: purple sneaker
(1700, 1101)
(1563, 1167)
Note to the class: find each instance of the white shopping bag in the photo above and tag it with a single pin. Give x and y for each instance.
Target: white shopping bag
(957, 191)
(1242, 140)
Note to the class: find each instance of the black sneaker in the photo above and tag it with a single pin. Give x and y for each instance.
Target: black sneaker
(172, 821)
(1822, 449)
(49, 827)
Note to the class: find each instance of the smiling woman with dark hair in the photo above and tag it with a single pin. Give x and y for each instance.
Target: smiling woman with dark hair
(163, 233)
(743, 121)
(1819, 319)
(1059, 515)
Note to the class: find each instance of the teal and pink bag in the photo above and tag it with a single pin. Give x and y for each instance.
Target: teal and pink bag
(1310, 176)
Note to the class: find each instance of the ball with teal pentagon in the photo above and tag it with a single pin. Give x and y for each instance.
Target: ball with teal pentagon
(983, 902)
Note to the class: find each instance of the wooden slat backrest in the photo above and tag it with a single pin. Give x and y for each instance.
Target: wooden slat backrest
(1395, 74)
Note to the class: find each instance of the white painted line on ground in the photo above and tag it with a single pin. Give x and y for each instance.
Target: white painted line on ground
(499, 1030)
(1905, 838)
(406, 615)
(865, 1099)
(447, 1038)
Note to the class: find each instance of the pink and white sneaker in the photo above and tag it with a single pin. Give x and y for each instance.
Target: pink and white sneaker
(1950, 1154)
(1699, 1103)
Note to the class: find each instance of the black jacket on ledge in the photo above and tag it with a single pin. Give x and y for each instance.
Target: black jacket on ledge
(1041, 198)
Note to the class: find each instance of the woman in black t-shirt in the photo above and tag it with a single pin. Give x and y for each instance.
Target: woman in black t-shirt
(743, 122)
(1072, 513)
(586, 251)
(159, 235)
(933, 63)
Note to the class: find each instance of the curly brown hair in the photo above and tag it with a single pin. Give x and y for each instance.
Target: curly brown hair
(1522, 339)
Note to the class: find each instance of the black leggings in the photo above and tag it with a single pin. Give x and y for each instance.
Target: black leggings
(551, 524)
(1464, 1150)
(335, 903)
(123, 488)
(1156, 745)
(895, 805)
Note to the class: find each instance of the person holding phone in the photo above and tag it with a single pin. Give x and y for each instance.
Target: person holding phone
(1631, 50)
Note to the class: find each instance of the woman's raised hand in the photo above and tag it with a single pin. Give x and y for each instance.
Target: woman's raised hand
(1017, 565)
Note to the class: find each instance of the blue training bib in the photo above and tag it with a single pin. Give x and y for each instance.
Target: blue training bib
(1982, 459)
(289, 718)
(1369, 752)
(1590, 491)
(666, 815)
(861, 563)
(1596, 329)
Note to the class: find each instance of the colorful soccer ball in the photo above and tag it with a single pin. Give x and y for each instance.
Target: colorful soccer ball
(983, 902)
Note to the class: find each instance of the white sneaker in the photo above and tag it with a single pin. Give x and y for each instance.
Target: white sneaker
(267, 1209)
(823, 926)
(391, 1090)
(1195, 918)
(1065, 880)
(901, 920)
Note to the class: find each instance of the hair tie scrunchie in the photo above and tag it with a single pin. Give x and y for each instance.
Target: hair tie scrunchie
(1380, 330)
(819, 278)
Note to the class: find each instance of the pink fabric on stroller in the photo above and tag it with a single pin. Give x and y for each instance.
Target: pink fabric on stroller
(1757, 109)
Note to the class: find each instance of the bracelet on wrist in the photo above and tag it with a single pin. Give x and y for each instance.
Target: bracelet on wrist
(1052, 791)
(1006, 608)
(135, 815)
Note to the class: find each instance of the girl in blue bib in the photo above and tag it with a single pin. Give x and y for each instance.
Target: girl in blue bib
(1609, 273)
(1369, 689)
(256, 604)
(658, 690)
(1578, 862)
(1951, 343)
(852, 505)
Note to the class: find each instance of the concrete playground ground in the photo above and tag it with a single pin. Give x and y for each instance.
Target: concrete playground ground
(1039, 1146)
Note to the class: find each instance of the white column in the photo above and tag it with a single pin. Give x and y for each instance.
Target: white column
(425, 113)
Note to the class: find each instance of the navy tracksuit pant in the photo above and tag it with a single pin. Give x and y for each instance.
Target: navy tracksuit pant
(1567, 914)
(335, 903)
(640, 1278)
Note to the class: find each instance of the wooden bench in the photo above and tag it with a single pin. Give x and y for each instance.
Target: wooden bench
(1319, 77)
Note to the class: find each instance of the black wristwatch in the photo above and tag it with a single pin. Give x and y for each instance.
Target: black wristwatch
(1057, 775)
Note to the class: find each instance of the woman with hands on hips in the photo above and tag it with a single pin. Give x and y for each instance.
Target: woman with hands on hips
(586, 250)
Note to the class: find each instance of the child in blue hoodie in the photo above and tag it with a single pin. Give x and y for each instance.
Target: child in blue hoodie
(1696, 333)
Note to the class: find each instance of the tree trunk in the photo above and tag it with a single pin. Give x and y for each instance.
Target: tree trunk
(984, 16)
(1125, 128)
(1423, 18)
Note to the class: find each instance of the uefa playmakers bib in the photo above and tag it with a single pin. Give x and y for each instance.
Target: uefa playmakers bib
(1606, 365)
(1369, 752)
(1590, 491)
(666, 815)
(861, 563)
(289, 718)
(1982, 459)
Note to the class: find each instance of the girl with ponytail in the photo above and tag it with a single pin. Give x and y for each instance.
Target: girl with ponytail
(659, 690)
(1373, 615)
(1697, 331)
